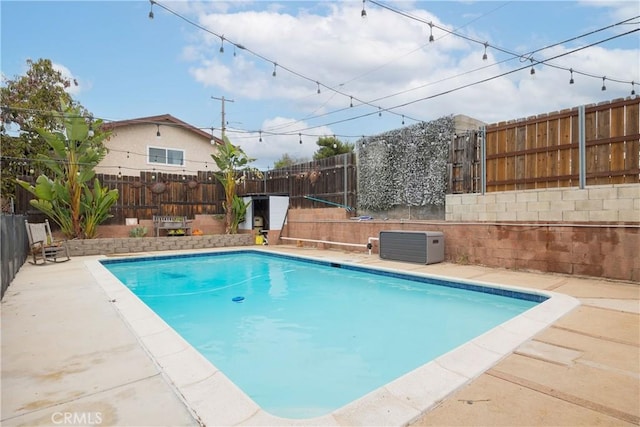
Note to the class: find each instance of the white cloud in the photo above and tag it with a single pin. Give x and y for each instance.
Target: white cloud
(619, 10)
(387, 59)
(272, 147)
(76, 85)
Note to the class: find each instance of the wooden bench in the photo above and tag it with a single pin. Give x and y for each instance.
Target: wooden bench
(171, 223)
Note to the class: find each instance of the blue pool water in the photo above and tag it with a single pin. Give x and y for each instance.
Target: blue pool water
(303, 338)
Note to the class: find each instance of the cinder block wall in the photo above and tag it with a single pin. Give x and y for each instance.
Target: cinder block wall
(601, 203)
(109, 246)
(587, 249)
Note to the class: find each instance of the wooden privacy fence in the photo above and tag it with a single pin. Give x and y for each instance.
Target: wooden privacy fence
(332, 179)
(592, 145)
(545, 151)
(153, 193)
(463, 169)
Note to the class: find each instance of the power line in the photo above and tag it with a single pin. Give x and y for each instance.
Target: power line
(523, 57)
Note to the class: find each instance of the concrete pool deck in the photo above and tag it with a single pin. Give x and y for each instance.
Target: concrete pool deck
(68, 357)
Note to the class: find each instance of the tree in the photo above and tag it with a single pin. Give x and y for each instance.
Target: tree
(66, 196)
(231, 161)
(30, 102)
(331, 146)
(286, 160)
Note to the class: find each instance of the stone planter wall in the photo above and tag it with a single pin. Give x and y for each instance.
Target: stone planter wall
(110, 246)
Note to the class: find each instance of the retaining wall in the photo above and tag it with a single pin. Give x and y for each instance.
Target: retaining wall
(597, 203)
(587, 249)
(109, 246)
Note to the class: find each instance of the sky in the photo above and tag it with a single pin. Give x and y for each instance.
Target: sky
(373, 74)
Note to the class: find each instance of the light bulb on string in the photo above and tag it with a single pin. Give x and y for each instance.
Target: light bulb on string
(158, 132)
(403, 119)
(533, 70)
(571, 79)
(275, 64)
(222, 44)
(151, 2)
(633, 90)
(431, 32)
(484, 56)
(351, 101)
(603, 85)
(379, 112)
(260, 140)
(318, 83)
(363, 14)
(300, 136)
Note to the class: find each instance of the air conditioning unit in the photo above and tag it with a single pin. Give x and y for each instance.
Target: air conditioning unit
(424, 247)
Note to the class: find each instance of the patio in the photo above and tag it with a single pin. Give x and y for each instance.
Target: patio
(68, 358)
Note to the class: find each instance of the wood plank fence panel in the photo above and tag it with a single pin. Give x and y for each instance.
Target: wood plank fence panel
(551, 149)
(531, 156)
(632, 144)
(510, 171)
(553, 152)
(617, 146)
(541, 154)
(565, 159)
(491, 149)
(603, 148)
(521, 158)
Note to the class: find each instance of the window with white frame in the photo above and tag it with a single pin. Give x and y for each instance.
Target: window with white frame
(165, 156)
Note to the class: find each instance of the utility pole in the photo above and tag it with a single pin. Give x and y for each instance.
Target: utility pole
(223, 119)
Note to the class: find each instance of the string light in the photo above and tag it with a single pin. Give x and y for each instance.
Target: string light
(379, 112)
(351, 101)
(151, 2)
(571, 79)
(431, 32)
(364, 12)
(533, 71)
(260, 140)
(484, 56)
(633, 90)
(318, 83)
(222, 43)
(603, 86)
(158, 132)
(403, 119)
(300, 136)
(275, 64)
(431, 25)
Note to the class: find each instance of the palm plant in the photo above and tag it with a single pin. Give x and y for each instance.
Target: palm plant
(231, 161)
(67, 197)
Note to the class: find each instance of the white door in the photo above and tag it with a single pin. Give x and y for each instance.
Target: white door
(278, 206)
(247, 224)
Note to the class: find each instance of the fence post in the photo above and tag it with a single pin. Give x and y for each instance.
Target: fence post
(344, 157)
(582, 148)
(483, 159)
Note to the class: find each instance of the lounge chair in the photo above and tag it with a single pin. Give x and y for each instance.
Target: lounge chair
(42, 244)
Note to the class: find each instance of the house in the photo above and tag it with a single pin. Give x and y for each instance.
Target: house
(157, 143)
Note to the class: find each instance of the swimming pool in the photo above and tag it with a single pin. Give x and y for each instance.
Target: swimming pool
(261, 288)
